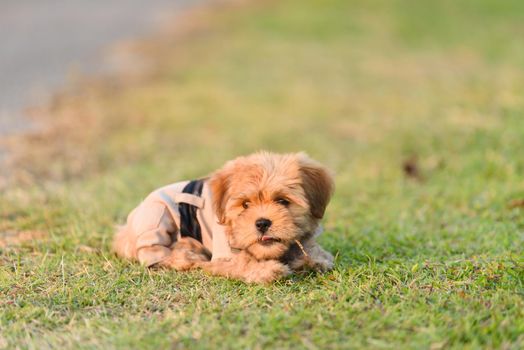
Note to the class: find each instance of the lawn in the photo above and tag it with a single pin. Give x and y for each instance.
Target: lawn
(416, 105)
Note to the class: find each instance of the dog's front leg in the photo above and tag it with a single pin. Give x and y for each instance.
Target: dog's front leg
(313, 257)
(244, 267)
(185, 254)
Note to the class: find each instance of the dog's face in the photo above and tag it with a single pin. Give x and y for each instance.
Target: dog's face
(267, 201)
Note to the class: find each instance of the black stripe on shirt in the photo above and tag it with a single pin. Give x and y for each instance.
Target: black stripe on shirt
(189, 226)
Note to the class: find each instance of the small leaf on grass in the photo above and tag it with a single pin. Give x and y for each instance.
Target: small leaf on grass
(411, 168)
(87, 249)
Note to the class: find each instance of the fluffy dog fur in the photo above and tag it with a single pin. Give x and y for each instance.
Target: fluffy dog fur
(291, 191)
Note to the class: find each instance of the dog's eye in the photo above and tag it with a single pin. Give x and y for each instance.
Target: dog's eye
(282, 201)
(245, 204)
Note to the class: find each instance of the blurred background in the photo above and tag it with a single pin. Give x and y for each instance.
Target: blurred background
(47, 43)
(358, 83)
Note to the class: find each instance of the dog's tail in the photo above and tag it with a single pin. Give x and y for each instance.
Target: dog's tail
(124, 243)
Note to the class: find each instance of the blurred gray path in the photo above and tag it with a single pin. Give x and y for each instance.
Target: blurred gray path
(42, 41)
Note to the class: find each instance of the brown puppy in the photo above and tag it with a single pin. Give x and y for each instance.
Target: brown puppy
(266, 207)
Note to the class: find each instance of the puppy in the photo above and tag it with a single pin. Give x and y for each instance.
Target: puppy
(255, 219)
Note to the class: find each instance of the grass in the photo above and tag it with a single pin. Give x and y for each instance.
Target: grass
(427, 259)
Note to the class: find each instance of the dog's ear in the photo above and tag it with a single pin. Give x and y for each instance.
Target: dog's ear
(318, 184)
(219, 184)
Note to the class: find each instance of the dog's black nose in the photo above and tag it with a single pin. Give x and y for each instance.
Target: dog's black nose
(262, 224)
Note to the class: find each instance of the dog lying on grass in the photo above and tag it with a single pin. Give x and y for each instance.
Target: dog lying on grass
(255, 219)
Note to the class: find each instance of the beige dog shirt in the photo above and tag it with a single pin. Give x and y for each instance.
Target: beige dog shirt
(156, 224)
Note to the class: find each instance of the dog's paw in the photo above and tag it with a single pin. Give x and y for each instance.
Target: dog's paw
(267, 272)
(321, 263)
